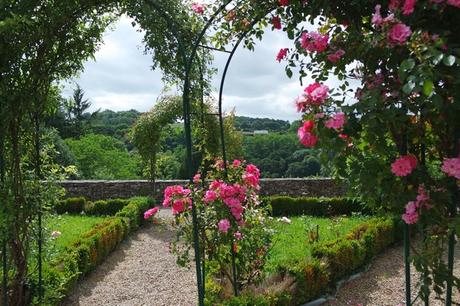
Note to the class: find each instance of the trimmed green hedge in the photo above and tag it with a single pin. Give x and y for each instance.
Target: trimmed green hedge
(70, 206)
(330, 262)
(289, 206)
(97, 208)
(105, 207)
(91, 249)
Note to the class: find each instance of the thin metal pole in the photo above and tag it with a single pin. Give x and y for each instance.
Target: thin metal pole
(453, 214)
(40, 213)
(407, 263)
(5, 222)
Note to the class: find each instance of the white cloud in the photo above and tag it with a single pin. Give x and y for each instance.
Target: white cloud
(121, 77)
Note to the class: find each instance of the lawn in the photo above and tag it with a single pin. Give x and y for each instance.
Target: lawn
(70, 228)
(293, 242)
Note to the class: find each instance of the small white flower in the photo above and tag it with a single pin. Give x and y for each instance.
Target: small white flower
(285, 220)
(55, 234)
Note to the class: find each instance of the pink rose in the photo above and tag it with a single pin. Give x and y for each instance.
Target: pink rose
(314, 42)
(210, 196)
(306, 137)
(197, 178)
(198, 8)
(251, 180)
(336, 56)
(236, 163)
(151, 212)
(455, 3)
(224, 225)
(377, 17)
(404, 165)
(399, 34)
(276, 22)
(395, 4)
(411, 215)
(282, 54)
(316, 93)
(238, 235)
(451, 166)
(178, 206)
(409, 6)
(336, 122)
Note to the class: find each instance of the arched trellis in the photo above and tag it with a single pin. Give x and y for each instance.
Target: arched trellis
(188, 59)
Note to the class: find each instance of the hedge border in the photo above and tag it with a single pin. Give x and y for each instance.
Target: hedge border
(331, 262)
(91, 249)
(286, 206)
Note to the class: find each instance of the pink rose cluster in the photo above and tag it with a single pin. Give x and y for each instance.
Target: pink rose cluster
(314, 94)
(404, 165)
(397, 32)
(413, 208)
(198, 8)
(314, 42)
(306, 135)
(451, 166)
(150, 213)
(178, 197)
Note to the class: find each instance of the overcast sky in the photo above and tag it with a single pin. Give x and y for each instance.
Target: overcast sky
(121, 77)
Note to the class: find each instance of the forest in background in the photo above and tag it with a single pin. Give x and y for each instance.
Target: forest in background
(97, 145)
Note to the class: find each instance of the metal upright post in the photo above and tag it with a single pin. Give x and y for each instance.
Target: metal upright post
(407, 263)
(39, 202)
(4, 226)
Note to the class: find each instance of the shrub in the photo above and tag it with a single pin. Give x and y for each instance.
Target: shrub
(70, 206)
(295, 206)
(105, 208)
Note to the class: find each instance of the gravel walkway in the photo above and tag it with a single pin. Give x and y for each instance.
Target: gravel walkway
(384, 283)
(140, 272)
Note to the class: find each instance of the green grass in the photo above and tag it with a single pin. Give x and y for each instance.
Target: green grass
(70, 227)
(293, 242)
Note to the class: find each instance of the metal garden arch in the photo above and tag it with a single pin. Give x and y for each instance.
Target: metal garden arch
(189, 59)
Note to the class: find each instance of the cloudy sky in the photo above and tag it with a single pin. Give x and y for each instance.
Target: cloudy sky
(121, 78)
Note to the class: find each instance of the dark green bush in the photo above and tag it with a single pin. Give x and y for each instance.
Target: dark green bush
(289, 206)
(105, 207)
(70, 206)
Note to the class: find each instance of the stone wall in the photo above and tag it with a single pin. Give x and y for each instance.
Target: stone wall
(98, 190)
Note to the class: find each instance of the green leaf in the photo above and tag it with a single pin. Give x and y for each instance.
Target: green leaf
(408, 88)
(407, 65)
(437, 58)
(449, 60)
(289, 72)
(428, 87)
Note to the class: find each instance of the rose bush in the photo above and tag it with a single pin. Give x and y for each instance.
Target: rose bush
(230, 220)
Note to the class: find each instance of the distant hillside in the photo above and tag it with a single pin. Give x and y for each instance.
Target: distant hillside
(255, 124)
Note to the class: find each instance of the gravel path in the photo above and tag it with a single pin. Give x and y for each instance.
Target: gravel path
(140, 272)
(384, 283)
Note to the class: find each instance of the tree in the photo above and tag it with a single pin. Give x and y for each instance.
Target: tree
(103, 157)
(76, 108)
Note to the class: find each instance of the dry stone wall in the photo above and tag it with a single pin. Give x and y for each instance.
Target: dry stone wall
(99, 190)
